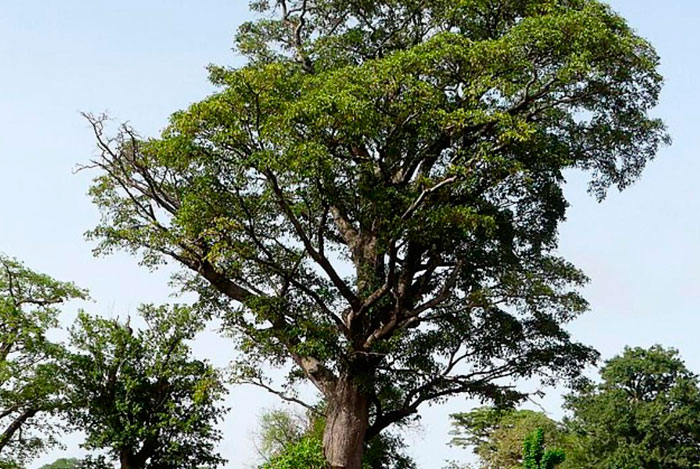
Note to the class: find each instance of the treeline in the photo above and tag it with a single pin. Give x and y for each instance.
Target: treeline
(140, 390)
(142, 400)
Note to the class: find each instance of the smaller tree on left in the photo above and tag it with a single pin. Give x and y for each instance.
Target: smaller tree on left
(30, 390)
(141, 397)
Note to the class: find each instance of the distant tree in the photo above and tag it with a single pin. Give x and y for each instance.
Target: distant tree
(644, 413)
(373, 198)
(536, 456)
(496, 435)
(63, 463)
(278, 429)
(30, 389)
(139, 395)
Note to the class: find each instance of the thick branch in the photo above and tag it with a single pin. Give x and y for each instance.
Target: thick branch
(16, 424)
(321, 260)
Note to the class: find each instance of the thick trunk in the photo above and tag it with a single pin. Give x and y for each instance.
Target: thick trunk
(130, 459)
(127, 460)
(347, 419)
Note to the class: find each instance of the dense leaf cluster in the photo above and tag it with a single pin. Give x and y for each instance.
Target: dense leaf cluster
(140, 396)
(644, 413)
(535, 456)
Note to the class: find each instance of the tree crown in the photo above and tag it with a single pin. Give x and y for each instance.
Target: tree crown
(375, 195)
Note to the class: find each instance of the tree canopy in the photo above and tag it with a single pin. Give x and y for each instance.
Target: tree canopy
(63, 463)
(373, 198)
(644, 413)
(140, 395)
(30, 391)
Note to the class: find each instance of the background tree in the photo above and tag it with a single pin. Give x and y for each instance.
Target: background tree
(277, 430)
(644, 413)
(30, 391)
(496, 436)
(139, 394)
(373, 199)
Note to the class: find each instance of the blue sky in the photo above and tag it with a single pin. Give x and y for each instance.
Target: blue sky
(141, 60)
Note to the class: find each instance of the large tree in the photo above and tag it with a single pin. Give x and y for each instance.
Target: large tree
(373, 198)
(644, 413)
(139, 395)
(30, 392)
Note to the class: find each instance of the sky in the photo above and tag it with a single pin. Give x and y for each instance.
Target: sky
(140, 60)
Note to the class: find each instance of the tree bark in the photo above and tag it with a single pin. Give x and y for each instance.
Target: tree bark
(347, 419)
(125, 459)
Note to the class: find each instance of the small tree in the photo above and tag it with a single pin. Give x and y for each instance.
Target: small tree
(535, 456)
(497, 435)
(373, 198)
(140, 395)
(31, 392)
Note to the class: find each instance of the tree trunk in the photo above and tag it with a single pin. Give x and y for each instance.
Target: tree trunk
(126, 460)
(347, 419)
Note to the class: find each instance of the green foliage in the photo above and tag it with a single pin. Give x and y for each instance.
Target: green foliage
(373, 200)
(287, 440)
(63, 463)
(278, 429)
(140, 395)
(497, 435)
(644, 413)
(386, 451)
(536, 457)
(307, 452)
(30, 388)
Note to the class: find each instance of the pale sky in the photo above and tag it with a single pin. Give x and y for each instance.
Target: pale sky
(140, 60)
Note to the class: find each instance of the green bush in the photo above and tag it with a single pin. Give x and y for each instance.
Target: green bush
(306, 453)
(536, 457)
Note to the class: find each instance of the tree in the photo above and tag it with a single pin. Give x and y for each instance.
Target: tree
(644, 413)
(497, 435)
(536, 457)
(278, 430)
(63, 463)
(288, 440)
(373, 199)
(140, 395)
(30, 393)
